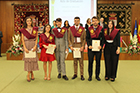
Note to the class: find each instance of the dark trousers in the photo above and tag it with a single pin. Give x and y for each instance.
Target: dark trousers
(91, 55)
(111, 60)
(0, 49)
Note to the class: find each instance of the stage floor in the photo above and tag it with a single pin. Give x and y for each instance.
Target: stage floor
(13, 79)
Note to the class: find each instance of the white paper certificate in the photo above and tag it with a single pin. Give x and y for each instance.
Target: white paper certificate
(50, 49)
(95, 45)
(76, 53)
(31, 54)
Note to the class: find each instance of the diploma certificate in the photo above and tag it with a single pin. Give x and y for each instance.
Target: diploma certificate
(50, 49)
(31, 54)
(76, 53)
(95, 45)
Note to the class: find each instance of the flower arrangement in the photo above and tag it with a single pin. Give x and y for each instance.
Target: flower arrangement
(133, 48)
(16, 48)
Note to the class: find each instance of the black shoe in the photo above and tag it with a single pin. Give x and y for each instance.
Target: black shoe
(90, 79)
(65, 77)
(82, 78)
(59, 76)
(98, 78)
(112, 79)
(32, 78)
(106, 78)
(0, 56)
(74, 76)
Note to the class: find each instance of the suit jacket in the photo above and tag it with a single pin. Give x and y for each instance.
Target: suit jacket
(1, 37)
(61, 43)
(71, 38)
(86, 27)
(89, 39)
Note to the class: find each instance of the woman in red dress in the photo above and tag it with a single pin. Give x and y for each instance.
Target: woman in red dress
(45, 39)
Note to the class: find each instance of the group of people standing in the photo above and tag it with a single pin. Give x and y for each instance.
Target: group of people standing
(72, 37)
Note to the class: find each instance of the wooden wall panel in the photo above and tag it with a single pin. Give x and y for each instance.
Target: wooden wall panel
(7, 20)
(7, 16)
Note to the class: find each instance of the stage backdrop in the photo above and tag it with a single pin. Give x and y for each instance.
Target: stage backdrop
(120, 13)
(38, 12)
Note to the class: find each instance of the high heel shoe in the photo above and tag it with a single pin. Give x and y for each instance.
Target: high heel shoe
(106, 78)
(112, 79)
(45, 78)
(32, 76)
(49, 77)
(28, 79)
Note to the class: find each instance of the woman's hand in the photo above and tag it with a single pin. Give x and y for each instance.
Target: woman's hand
(34, 48)
(45, 46)
(118, 51)
(26, 50)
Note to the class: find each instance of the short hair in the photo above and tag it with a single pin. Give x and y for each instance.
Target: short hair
(94, 17)
(77, 17)
(59, 19)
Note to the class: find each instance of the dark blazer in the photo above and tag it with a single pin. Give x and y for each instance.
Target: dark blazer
(86, 27)
(89, 39)
(1, 37)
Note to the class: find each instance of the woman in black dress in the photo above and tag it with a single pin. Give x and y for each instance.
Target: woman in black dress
(111, 50)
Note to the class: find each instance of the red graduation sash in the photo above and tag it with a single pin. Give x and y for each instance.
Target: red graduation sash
(112, 35)
(94, 34)
(27, 34)
(77, 33)
(47, 39)
(61, 33)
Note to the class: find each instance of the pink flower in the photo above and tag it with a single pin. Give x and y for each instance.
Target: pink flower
(134, 48)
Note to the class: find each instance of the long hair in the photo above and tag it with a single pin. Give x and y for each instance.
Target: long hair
(108, 27)
(44, 30)
(65, 23)
(88, 19)
(25, 24)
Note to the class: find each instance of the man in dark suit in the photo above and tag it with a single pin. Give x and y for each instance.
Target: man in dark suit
(94, 32)
(0, 42)
(101, 23)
